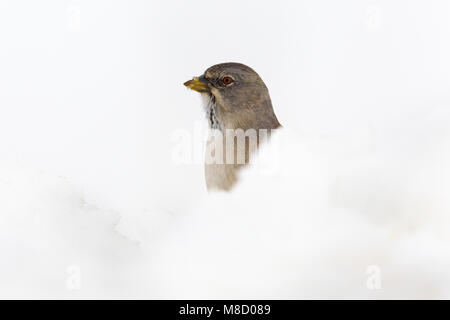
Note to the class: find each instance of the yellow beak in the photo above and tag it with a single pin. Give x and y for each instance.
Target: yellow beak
(197, 84)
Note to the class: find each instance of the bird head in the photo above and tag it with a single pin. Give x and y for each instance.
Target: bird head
(236, 97)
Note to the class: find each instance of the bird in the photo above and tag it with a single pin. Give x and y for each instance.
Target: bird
(237, 106)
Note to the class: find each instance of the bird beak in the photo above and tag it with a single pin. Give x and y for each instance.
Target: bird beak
(198, 84)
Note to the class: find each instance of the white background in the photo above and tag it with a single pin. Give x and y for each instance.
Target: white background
(90, 96)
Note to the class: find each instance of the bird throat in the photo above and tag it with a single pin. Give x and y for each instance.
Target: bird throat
(209, 103)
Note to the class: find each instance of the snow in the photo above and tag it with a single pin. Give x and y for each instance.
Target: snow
(93, 205)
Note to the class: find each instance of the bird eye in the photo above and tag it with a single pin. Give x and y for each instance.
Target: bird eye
(227, 80)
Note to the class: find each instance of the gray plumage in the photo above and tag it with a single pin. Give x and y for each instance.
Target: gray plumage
(235, 97)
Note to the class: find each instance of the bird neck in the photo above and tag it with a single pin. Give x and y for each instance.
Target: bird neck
(257, 117)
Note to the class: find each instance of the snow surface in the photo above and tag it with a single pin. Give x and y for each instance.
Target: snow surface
(92, 204)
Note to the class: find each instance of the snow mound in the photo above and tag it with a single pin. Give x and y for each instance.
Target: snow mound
(326, 217)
